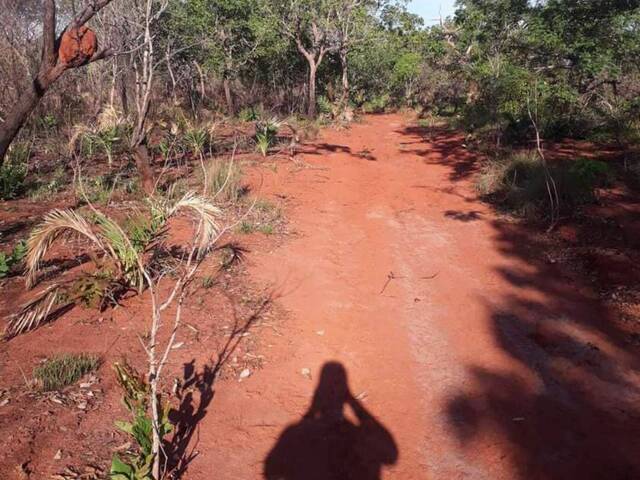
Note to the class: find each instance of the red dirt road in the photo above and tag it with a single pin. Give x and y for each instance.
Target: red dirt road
(424, 337)
(468, 352)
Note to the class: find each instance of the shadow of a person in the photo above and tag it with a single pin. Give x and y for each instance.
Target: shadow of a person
(325, 445)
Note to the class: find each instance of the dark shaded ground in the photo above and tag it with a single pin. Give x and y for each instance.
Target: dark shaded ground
(573, 323)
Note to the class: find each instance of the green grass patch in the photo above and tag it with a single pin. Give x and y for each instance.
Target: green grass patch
(266, 229)
(63, 370)
(246, 227)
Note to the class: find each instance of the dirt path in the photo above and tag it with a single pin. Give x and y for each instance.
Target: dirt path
(467, 354)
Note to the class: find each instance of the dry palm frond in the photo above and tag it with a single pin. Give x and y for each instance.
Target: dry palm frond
(116, 249)
(205, 212)
(32, 314)
(55, 224)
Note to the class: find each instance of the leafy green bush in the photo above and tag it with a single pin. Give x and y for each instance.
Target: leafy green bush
(266, 134)
(12, 178)
(583, 177)
(92, 290)
(47, 123)
(107, 137)
(249, 114)
(196, 139)
(325, 107)
(142, 229)
(377, 104)
(137, 465)
(97, 190)
(405, 73)
(9, 261)
(63, 370)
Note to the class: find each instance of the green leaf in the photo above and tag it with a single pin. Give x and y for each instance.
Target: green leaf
(4, 265)
(120, 470)
(19, 251)
(126, 427)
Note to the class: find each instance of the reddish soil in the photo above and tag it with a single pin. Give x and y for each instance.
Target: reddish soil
(424, 337)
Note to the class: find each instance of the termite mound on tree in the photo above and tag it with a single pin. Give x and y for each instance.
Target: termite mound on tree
(77, 46)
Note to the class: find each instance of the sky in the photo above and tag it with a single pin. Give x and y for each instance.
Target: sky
(430, 9)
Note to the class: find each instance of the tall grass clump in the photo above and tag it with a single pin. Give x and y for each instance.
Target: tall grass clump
(109, 134)
(266, 134)
(13, 172)
(224, 180)
(518, 182)
(63, 370)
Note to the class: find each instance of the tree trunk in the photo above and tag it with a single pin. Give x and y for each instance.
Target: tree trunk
(313, 69)
(143, 165)
(25, 105)
(124, 97)
(10, 128)
(228, 95)
(345, 78)
(48, 72)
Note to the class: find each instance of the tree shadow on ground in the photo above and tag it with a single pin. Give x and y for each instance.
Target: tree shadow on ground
(8, 230)
(578, 391)
(196, 393)
(325, 444)
(569, 404)
(441, 146)
(470, 216)
(320, 149)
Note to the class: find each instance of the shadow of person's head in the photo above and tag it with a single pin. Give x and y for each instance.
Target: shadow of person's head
(326, 444)
(331, 394)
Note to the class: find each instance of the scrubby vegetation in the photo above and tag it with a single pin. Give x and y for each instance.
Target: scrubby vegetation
(500, 70)
(516, 74)
(518, 182)
(136, 391)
